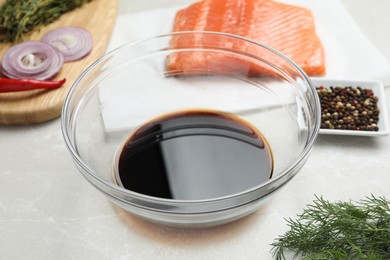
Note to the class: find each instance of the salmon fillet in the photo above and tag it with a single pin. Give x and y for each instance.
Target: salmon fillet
(287, 28)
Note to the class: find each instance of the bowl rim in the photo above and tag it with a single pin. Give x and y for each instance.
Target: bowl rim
(299, 159)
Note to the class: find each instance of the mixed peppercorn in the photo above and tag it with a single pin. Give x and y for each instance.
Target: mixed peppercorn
(348, 108)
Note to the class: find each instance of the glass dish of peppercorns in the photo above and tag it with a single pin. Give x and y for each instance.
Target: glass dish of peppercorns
(352, 107)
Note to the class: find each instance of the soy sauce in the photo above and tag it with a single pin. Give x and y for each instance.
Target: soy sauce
(194, 155)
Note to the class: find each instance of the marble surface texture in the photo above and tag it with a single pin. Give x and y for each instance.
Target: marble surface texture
(49, 211)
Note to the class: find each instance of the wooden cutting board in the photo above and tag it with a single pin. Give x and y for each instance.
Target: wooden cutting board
(36, 106)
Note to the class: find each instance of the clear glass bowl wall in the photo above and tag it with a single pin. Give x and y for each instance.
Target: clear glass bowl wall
(131, 85)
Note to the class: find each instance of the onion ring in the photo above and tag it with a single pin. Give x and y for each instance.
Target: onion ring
(32, 60)
(73, 42)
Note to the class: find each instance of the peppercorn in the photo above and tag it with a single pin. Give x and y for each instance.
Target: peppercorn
(348, 108)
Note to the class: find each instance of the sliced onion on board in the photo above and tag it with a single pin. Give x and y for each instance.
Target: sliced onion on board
(73, 42)
(32, 60)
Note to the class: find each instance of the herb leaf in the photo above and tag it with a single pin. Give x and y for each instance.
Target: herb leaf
(340, 230)
(19, 17)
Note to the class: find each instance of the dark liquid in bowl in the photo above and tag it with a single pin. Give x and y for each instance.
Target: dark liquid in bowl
(195, 154)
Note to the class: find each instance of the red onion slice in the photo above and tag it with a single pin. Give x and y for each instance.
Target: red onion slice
(73, 42)
(32, 60)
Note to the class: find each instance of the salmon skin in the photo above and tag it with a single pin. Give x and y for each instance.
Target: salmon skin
(286, 28)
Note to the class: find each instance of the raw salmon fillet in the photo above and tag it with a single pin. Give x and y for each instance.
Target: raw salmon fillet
(287, 28)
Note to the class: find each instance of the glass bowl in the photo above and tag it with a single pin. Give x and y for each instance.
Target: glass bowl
(183, 71)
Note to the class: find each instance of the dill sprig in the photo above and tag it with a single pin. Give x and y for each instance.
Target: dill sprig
(19, 17)
(340, 230)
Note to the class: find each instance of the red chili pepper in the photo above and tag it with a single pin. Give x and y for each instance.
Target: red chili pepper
(15, 85)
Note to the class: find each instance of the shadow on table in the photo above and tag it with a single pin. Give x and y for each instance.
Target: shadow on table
(188, 236)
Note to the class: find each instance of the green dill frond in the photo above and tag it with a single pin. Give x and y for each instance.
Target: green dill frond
(340, 230)
(20, 17)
